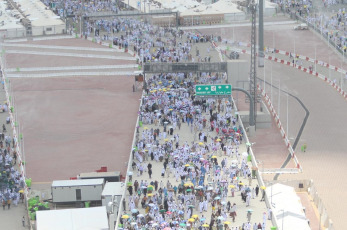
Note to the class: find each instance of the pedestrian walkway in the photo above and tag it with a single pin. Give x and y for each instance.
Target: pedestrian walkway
(11, 218)
(187, 169)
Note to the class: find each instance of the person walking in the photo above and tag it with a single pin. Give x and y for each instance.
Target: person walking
(9, 204)
(150, 173)
(23, 221)
(233, 212)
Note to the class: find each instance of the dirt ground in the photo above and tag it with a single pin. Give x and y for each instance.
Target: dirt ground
(74, 125)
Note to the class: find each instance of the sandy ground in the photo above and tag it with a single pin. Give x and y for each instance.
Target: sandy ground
(74, 125)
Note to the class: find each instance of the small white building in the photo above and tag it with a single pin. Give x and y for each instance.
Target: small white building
(77, 190)
(111, 197)
(287, 207)
(72, 219)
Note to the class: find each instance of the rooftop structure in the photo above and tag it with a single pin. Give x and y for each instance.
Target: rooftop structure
(28, 17)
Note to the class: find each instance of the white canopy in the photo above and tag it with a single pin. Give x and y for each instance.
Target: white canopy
(287, 207)
(73, 219)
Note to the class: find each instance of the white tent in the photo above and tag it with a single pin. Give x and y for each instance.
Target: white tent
(287, 207)
(73, 219)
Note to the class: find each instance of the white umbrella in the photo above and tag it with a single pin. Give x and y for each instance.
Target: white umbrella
(245, 154)
(234, 162)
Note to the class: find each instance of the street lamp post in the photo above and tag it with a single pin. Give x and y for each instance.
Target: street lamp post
(279, 98)
(287, 118)
(271, 83)
(264, 77)
(282, 219)
(329, 69)
(315, 58)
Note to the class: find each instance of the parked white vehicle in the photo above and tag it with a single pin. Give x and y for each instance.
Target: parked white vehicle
(302, 26)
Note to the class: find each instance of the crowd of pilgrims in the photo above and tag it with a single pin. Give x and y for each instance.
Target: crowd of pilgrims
(208, 173)
(74, 7)
(11, 181)
(330, 21)
(150, 42)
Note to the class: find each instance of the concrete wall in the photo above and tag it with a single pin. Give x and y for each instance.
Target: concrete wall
(13, 33)
(263, 119)
(234, 17)
(237, 72)
(48, 30)
(68, 194)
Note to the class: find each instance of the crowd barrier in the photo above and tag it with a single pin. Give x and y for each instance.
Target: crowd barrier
(273, 112)
(299, 67)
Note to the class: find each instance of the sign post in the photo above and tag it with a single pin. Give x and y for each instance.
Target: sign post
(213, 90)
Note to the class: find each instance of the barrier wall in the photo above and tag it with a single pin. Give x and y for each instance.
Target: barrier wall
(299, 67)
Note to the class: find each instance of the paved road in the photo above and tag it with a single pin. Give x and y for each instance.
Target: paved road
(325, 160)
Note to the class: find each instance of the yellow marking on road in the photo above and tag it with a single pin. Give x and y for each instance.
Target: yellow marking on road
(315, 209)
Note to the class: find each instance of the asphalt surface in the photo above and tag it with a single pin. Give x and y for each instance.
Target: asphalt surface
(324, 161)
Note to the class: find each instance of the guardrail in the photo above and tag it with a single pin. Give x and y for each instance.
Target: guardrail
(280, 171)
(129, 165)
(279, 125)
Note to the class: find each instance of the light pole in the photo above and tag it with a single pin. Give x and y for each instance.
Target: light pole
(279, 98)
(287, 119)
(341, 79)
(264, 78)
(234, 34)
(329, 68)
(315, 58)
(273, 43)
(271, 83)
(282, 218)
(294, 53)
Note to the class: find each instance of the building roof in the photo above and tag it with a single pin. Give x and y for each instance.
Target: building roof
(73, 219)
(113, 189)
(287, 207)
(100, 174)
(220, 7)
(10, 18)
(39, 14)
(70, 183)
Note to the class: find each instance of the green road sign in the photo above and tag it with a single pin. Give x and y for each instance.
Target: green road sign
(212, 90)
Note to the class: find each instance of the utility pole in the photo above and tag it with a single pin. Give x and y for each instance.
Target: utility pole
(261, 34)
(253, 73)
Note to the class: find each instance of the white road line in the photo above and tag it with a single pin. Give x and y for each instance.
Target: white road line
(71, 74)
(59, 47)
(70, 55)
(31, 69)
